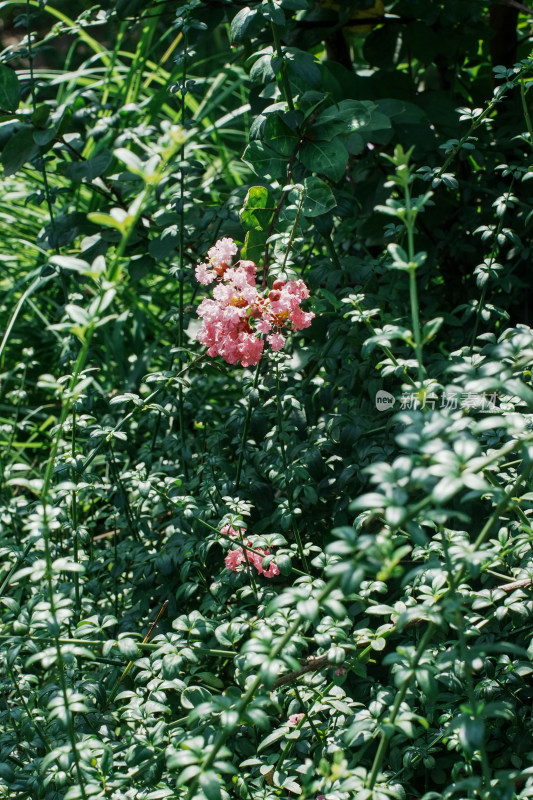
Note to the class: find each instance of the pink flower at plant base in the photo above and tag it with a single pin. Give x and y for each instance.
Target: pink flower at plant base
(234, 558)
(272, 568)
(229, 530)
(294, 719)
(241, 556)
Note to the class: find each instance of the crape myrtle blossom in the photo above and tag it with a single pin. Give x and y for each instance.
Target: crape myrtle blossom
(241, 555)
(240, 318)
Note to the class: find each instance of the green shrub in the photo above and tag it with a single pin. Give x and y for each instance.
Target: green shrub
(309, 576)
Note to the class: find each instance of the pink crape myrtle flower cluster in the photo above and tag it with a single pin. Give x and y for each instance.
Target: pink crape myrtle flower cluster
(243, 556)
(239, 317)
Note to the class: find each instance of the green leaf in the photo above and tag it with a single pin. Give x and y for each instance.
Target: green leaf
(446, 488)
(106, 762)
(400, 259)
(254, 245)
(210, 785)
(516, 387)
(304, 66)
(280, 137)
(9, 89)
(265, 161)
(256, 213)
(6, 773)
(77, 314)
(326, 158)
(194, 695)
(69, 262)
(318, 197)
(90, 169)
(308, 609)
(280, 733)
(269, 672)
(346, 117)
(379, 609)
(20, 148)
(336, 655)
(369, 500)
(242, 24)
(131, 160)
(188, 774)
(355, 144)
(471, 733)
(258, 718)
(167, 243)
(265, 68)
(128, 647)
(284, 563)
(431, 328)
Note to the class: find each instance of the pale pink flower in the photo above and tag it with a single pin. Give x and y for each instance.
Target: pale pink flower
(229, 530)
(294, 719)
(301, 319)
(235, 321)
(204, 274)
(241, 555)
(263, 325)
(234, 558)
(251, 351)
(221, 254)
(243, 275)
(272, 570)
(276, 341)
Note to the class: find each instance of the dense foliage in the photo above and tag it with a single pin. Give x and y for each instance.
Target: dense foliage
(299, 563)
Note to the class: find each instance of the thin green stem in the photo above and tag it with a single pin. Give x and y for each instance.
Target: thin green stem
(501, 507)
(246, 425)
(293, 233)
(75, 533)
(385, 736)
(137, 410)
(527, 117)
(28, 711)
(286, 472)
(209, 651)
(388, 352)
(124, 495)
(20, 560)
(181, 274)
(129, 665)
(494, 251)
(283, 68)
(410, 216)
(453, 582)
